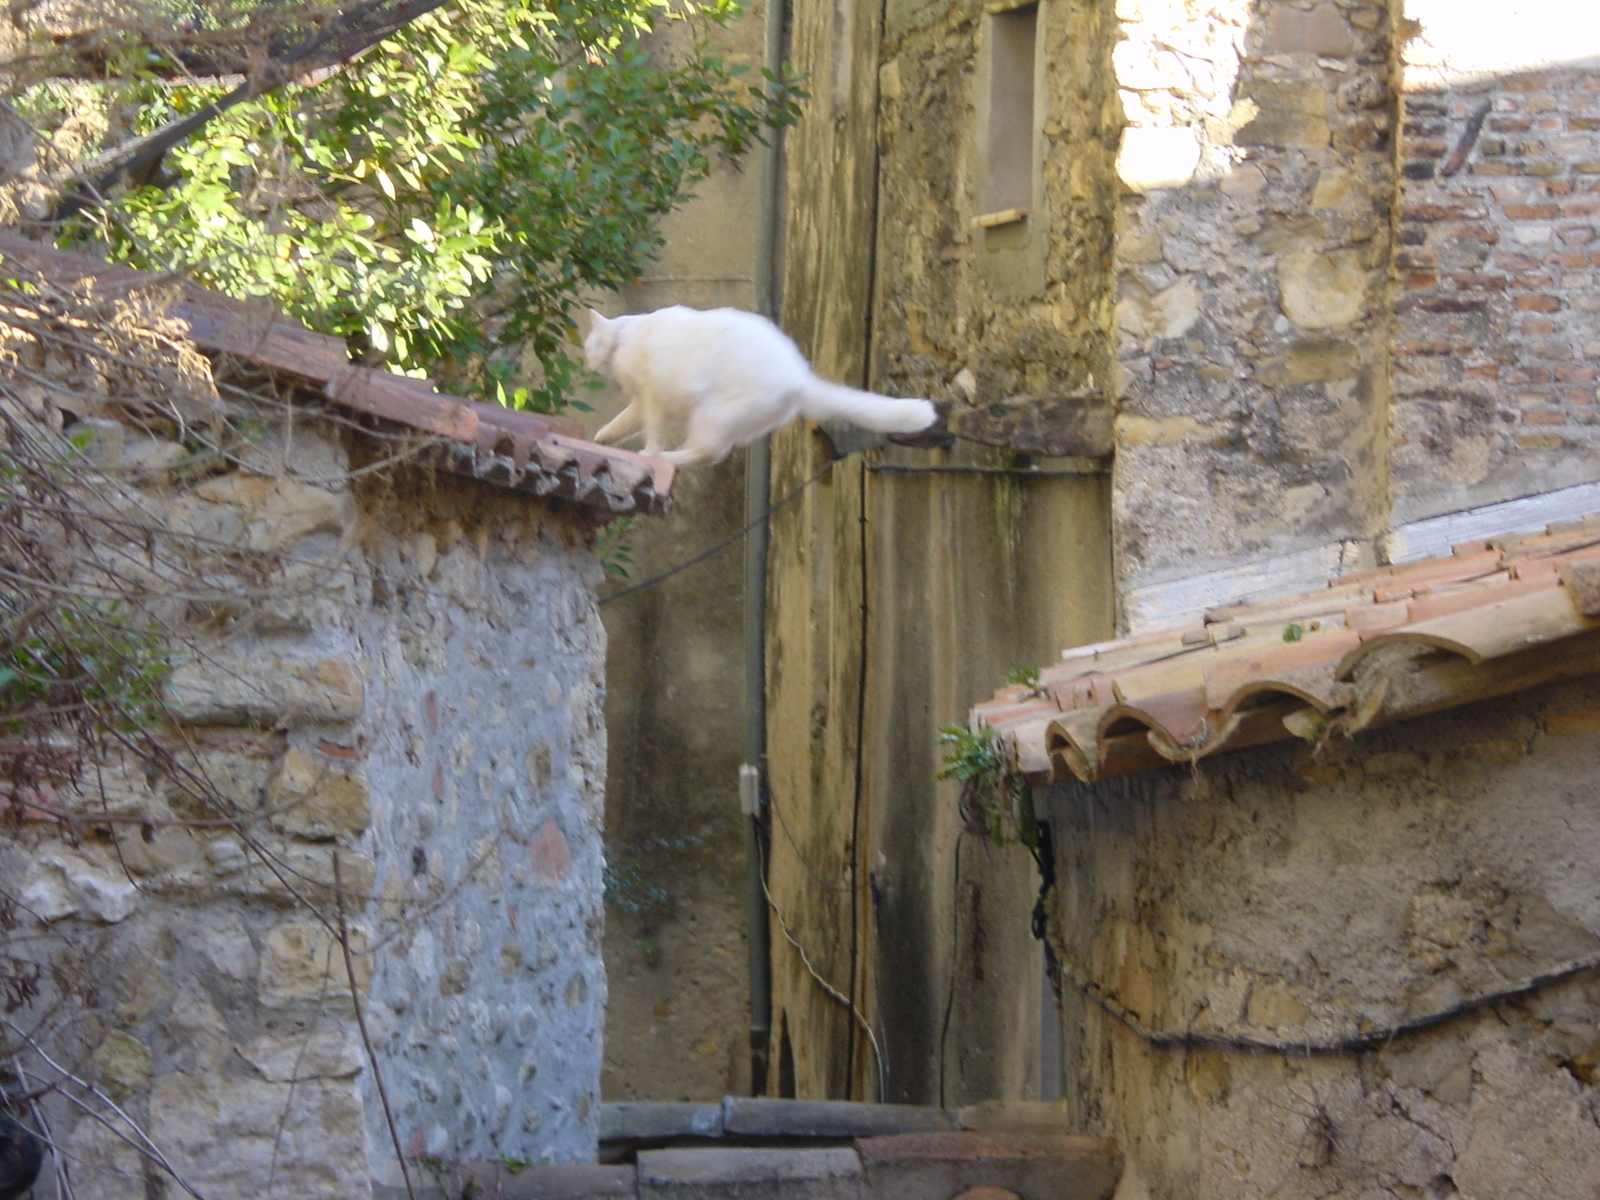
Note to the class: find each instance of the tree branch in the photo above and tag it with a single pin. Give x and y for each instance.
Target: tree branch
(354, 31)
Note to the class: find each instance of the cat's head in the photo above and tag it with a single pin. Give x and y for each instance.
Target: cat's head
(600, 343)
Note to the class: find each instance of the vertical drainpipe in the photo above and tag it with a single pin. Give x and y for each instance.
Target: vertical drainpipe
(757, 485)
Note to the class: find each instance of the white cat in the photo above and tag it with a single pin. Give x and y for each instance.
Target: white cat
(729, 376)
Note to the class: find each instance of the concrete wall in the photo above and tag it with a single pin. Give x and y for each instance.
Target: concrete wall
(675, 930)
(1297, 896)
(385, 717)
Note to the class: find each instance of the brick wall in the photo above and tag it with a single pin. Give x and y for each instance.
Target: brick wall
(1497, 330)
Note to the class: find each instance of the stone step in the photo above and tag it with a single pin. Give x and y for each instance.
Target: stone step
(1031, 1165)
(942, 1165)
(747, 1119)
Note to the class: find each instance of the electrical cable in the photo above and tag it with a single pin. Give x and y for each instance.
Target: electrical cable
(722, 545)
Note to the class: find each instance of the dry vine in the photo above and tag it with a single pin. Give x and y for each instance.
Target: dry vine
(99, 596)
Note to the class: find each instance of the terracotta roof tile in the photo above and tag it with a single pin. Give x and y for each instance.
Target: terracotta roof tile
(1495, 616)
(544, 455)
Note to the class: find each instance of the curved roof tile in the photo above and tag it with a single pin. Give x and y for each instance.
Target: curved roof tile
(1496, 616)
(530, 452)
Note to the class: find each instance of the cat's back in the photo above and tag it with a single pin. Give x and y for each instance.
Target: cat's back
(679, 333)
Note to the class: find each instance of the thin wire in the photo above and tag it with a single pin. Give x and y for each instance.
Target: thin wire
(833, 992)
(723, 544)
(1354, 1043)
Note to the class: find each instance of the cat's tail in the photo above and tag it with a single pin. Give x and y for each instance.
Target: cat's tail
(824, 401)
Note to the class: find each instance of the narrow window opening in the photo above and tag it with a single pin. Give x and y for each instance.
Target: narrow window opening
(1011, 55)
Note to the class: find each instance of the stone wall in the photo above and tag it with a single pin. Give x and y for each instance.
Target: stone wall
(1008, 324)
(1252, 265)
(385, 736)
(1285, 899)
(1497, 333)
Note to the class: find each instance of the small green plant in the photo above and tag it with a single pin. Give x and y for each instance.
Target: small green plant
(614, 548)
(970, 753)
(994, 802)
(75, 656)
(1026, 676)
(1293, 632)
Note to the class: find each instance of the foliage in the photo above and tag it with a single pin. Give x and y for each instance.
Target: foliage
(970, 754)
(442, 202)
(1026, 676)
(61, 660)
(995, 802)
(615, 548)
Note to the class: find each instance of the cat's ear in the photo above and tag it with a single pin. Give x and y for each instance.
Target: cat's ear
(596, 321)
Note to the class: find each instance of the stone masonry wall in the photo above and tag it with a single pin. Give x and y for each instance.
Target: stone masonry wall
(1295, 896)
(1252, 259)
(1497, 347)
(392, 680)
(1009, 324)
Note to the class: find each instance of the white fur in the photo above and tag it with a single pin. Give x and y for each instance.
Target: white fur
(729, 376)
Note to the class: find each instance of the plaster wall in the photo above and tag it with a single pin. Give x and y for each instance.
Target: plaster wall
(1294, 897)
(675, 931)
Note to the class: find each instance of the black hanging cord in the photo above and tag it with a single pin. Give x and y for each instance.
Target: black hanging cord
(722, 545)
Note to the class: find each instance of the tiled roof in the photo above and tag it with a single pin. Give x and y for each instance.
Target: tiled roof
(544, 455)
(1496, 616)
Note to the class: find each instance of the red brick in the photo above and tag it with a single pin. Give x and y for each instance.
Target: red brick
(1464, 282)
(1578, 235)
(1488, 371)
(1552, 351)
(1577, 374)
(1528, 283)
(1416, 259)
(1533, 212)
(1419, 283)
(1577, 395)
(1538, 303)
(1572, 262)
(1544, 416)
(1525, 83)
(1559, 187)
(1527, 375)
(1487, 234)
(1510, 124)
(1439, 212)
(1537, 327)
(1507, 261)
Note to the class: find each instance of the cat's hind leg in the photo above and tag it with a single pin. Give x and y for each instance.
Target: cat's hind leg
(625, 424)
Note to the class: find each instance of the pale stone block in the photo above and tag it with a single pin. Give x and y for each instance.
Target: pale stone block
(1287, 114)
(303, 961)
(227, 1137)
(1158, 158)
(1322, 291)
(272, 513)
(1320, 30)
(320, 1054)
(104, 1165)
(1178, 307)
(266, 689)
(123, 1062)
(83, 883)
(309, 798)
